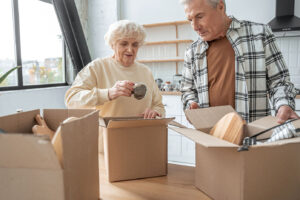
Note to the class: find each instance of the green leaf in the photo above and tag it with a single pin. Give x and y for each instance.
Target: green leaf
(7, 73)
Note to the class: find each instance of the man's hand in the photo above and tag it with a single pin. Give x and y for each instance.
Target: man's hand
(121, 88)
(284, 113)
(194, 105)
(150, 114)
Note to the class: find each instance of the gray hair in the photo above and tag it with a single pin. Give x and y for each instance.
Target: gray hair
(213, 3)
(124, 29)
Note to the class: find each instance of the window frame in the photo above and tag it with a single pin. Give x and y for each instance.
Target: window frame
(18, 57)
(72, 31)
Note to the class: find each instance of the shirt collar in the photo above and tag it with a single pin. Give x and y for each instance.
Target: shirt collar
(235, 24)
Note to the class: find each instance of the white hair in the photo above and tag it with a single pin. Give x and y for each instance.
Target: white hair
(213, 3)
(124, 29)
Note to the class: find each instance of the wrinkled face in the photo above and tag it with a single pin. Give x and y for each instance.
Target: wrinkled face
(207, 21)
(126, 50)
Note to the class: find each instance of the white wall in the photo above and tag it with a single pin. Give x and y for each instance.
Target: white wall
(254, 10)
(31, 99)
(169, 10)
(151, 11)
(101, 13)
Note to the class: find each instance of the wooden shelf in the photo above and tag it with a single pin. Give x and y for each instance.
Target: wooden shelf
(176, 42)
(298, 97)
(166, 23)
(169, 42)
(161, 60)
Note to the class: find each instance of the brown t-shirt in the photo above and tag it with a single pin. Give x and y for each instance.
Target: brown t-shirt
(221, 73)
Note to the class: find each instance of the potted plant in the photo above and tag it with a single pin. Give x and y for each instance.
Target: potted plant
(3, 77)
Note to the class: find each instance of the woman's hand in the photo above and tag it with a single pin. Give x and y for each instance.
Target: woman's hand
(121, 88)
(150, 114)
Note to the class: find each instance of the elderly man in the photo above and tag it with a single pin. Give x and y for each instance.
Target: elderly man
(234, 63)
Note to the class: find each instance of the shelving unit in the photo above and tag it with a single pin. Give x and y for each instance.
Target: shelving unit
(162, 60)
(177, 41)
(176, 23)
(169, 42)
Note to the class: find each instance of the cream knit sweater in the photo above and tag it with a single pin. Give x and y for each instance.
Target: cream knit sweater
(90, 89)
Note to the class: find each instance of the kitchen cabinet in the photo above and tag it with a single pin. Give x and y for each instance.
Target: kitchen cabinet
(180, 149)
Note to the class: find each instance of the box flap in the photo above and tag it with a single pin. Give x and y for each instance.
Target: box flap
(27, 151)
(206, 118)
(103, 121)
(278, 143)
(176, 124)
(21, 122)
(265, 122)
(121, 122)
(54, 117)
(261, 125)
(202, 138)
(80, 156)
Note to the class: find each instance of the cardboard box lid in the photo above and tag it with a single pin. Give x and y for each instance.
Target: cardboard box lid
(80, 157)
(27, 151)
(19, 150)
(206, 118)
(261, 125)
(19, 122)
(265, 122)
(202, 138)
(126, 122)
(278, 143)
(54, 117)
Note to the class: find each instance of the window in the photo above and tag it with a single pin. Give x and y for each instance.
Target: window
(7, 54)
(32, 39)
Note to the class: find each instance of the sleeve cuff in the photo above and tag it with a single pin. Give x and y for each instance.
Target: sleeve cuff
(102, 95)
(189, 103)
(282, 102)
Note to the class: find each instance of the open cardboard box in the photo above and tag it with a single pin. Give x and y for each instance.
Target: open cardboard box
(135, 147)
(266, 171)
(29, 166)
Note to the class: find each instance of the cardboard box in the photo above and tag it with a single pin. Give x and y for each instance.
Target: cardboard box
(135, 147)
(266, 171)
(29, 166)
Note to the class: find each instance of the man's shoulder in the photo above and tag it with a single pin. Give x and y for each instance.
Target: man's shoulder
(255, 27)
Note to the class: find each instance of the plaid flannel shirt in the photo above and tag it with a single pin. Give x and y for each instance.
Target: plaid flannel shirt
(262, 80)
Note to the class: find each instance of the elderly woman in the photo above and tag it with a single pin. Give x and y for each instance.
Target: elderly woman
(107, 83)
